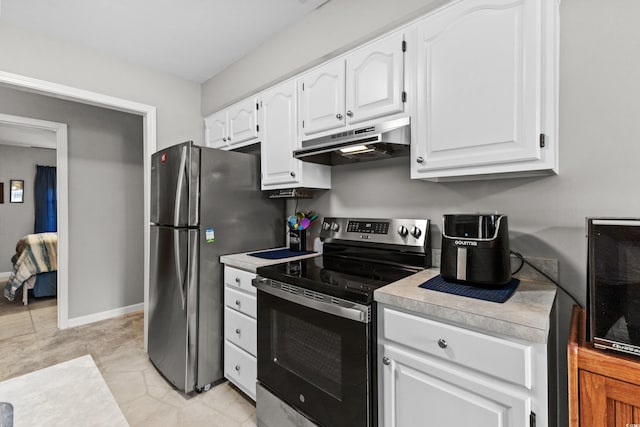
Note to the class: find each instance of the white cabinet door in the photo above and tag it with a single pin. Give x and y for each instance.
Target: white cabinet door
(375, 80)
(479, 85)
(322, 102)
(279, 137)
(216, 130)
(419, 388)
(243, 121)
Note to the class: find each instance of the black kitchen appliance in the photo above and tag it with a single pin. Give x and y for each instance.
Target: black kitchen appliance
(316, 322)
(613, 271)
(475, 249)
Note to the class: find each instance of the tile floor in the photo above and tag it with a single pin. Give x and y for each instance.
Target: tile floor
(30, 340)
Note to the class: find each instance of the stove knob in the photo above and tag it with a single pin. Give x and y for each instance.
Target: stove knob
(326, 225)
(335, 226)
(402, 231)
(415, 232)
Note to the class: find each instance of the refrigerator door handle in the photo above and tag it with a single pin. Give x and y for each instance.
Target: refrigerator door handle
(176, 259)
(178, 201)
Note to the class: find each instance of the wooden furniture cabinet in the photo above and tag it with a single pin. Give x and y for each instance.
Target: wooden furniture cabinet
(486, 90)
(604, 386)
(240, 330)
(453, 376)
(233, 127)
(280, 138)
(367, 84)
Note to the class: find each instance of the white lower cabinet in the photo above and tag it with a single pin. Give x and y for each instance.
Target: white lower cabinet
(434, 374)
(240, 330)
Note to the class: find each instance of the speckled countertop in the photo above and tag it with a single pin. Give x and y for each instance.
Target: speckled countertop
(525, 315)
(244, 261)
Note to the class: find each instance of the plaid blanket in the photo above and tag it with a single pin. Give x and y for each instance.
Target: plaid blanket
(35, 253)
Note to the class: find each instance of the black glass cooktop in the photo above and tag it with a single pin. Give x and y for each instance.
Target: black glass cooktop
(350, 279)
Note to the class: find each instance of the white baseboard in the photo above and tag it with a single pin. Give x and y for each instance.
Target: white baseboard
(96, 317)
(5, 275)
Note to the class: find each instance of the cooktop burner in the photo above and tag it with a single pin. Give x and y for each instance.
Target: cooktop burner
(352, 280)
(360, 255)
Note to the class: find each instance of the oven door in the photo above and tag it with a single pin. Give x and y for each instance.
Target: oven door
(313, 358)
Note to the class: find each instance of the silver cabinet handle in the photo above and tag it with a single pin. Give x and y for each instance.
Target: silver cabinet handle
(238, 368)
(339, 116)
(442, 343)
(238, 331)
(293, 174)
(238, 302)
(420, 160)
(349, 113)
(386, 361)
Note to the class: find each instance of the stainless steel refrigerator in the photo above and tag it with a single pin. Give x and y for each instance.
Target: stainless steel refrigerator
(204, 203)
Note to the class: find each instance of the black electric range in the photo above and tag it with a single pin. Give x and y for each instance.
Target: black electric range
(316, 322)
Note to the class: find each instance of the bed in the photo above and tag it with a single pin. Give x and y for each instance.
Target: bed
(34, 266)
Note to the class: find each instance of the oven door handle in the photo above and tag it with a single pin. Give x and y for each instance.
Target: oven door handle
(346, 309)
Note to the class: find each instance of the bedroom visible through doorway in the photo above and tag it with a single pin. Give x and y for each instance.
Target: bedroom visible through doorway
(28, 230)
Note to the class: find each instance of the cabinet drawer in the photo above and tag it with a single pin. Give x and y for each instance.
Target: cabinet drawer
(240, 368)
(241, 301)
(503, 359)
(239, 278)
(240, 330)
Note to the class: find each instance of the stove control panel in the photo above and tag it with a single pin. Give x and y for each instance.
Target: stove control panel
(404, 232)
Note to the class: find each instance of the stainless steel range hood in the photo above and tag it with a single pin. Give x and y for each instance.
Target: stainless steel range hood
(384, 140)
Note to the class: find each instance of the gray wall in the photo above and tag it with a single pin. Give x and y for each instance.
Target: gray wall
(17, 219)
(328, 31)
(599, 134)
(105, 162)
(177, 100)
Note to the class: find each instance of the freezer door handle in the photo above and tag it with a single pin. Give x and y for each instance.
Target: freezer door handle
(180, 182)
(178, 264)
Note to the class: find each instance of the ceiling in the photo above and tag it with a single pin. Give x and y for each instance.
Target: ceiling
(191, 39)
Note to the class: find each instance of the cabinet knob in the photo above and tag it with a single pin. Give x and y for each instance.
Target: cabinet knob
(420, 160)
(238, 368)
(442, 343)
(386, 361)
(293, 174)
(224, 139)
(339, 116)
(238, 302)
(238, 331)
(349, 113)
(237, 280)
(228, 138)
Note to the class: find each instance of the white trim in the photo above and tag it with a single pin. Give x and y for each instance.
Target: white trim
(4, 275)
(96, 317)
(149, 145)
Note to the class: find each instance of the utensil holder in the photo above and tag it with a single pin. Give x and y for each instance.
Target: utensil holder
(298, 240)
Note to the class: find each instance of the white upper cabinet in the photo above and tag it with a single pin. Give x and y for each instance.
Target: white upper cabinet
(486, 73)
(279, 139)
(233, 127)
(362, 86)
(322, 99)
(243, 121)
(216, 130)
(375, 80)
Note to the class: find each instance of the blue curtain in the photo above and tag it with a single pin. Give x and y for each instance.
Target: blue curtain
(45, 199)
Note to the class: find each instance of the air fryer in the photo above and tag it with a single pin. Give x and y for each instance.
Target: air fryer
(475, 249)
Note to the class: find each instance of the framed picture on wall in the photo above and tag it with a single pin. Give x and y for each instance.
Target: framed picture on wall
(16, 191)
